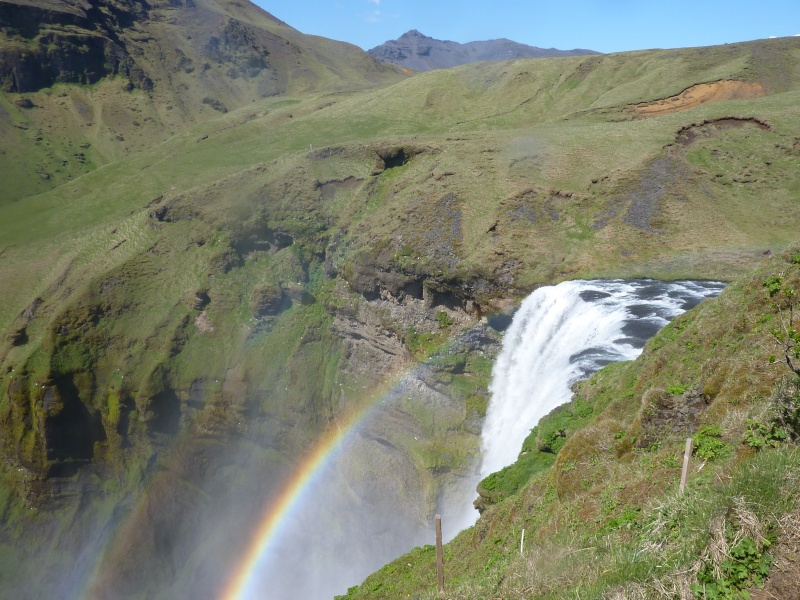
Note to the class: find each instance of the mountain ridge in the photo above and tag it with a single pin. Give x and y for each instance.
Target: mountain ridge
(418, 52)
(137, 73)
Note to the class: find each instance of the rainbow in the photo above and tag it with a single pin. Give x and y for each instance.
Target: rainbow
(241, 584)
(267, 533)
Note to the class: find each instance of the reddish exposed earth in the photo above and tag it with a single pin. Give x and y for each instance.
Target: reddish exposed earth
(703, 93)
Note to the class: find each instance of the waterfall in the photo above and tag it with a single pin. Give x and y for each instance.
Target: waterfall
(560, 334)
(564, 333)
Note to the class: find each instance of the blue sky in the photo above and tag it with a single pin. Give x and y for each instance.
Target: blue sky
(603, 25)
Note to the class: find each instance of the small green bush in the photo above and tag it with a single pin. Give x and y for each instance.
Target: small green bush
(747, 566)
(708, 443)
(760, 435)
(773, 284)
(477, 405)
(444, 320)
(422, 344)
(627, 519)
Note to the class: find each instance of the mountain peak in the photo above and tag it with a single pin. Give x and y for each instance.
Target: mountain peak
(414, 33)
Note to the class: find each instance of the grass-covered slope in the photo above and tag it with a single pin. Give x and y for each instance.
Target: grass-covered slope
(171, 303)
(596, 485)
(144, 72)
(551, 179)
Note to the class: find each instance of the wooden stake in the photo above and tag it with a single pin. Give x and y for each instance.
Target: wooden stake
(439, 556)
(687, 454)
(522, 543)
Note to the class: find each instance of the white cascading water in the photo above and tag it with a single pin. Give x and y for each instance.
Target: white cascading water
(564, 333)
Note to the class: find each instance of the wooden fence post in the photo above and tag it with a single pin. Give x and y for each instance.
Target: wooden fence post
(687, 454)
(439, 556)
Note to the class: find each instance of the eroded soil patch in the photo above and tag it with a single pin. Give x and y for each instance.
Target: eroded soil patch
(642, 199)
(702, 93)
(328, 189)
(690, 134)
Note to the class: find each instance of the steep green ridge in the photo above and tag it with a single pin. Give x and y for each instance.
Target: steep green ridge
(149, 70)
(596, 485)
(161, 313)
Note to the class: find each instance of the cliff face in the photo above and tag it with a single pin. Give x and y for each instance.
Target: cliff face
(197, 393)
(418, 52)
(44, 43)
(56, 42)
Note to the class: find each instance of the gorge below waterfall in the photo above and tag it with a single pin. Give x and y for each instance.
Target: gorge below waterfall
(355, 499)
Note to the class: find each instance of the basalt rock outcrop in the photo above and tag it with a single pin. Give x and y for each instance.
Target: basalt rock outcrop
(60, 42)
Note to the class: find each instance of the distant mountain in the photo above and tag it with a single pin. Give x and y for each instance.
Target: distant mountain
(418, 52)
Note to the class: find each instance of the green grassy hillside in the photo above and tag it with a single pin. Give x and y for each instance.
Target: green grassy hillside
(510, 148)
(183, 289)
(149, 71)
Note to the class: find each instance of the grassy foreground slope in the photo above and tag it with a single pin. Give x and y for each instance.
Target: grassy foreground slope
(595, 488)
(186, 291)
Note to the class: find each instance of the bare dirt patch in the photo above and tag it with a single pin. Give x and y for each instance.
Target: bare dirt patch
(328, 189)
(702, 93)
(688, 135)
(203, 323)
